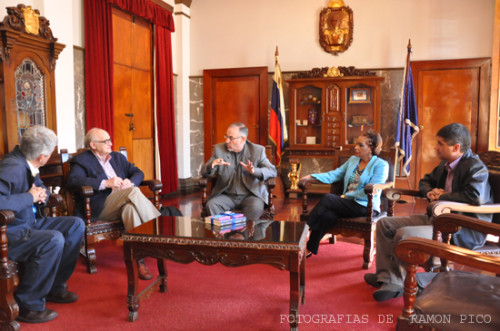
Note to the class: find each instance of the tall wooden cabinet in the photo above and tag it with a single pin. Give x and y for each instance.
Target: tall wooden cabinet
(329, 113)
(28, 54)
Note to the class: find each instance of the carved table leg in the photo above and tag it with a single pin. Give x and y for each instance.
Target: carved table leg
(132, 278)
(162, 269)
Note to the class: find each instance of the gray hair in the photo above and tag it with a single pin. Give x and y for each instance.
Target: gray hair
(37, 140)
(241, 126)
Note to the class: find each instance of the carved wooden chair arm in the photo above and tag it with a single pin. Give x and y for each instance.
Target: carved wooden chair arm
(370, 188)
(54, 200)
(304, 184)
(203, 182)
(394, 194)
(271, 183)
(153, 184)
(416, 251)
(84, 191)
(436, 208)
(451, 223)
(6, 217)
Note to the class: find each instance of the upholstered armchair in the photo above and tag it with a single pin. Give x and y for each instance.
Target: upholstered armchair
(454, 298)
(97, 230)
(361, 227)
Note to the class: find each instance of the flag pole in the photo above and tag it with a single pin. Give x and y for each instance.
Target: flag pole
(398, 158)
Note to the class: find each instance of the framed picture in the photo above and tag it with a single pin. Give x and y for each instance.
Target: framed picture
(360, 95)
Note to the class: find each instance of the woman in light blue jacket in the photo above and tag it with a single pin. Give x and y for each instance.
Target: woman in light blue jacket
(364, 167)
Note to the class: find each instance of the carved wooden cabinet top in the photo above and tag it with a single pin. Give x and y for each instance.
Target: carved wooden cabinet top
(26, 21)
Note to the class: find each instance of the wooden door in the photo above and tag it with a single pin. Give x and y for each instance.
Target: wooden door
(235, 95)
(133, 90)
(449, 91)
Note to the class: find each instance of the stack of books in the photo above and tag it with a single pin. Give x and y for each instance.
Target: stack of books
(225, 228)
(226, 222)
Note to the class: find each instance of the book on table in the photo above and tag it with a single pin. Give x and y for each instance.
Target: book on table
(225, 228)
(226, 218)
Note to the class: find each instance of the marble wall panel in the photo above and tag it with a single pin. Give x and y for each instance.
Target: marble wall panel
(79, 77)
(196, 125)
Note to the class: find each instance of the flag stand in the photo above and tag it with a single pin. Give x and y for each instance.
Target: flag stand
(399, 157)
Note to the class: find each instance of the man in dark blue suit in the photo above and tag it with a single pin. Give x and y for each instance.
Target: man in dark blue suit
(47, 247)
(115, 182)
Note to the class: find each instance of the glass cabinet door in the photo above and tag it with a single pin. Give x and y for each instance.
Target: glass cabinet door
(359, 112)
(307, 121)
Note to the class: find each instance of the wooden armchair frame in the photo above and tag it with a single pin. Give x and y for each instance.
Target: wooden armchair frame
(416, 252)
(9, 271)
(361, 227)
(9, 278)
(207, 183)
(97, 230)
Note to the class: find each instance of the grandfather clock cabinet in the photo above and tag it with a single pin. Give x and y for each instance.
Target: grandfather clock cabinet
(327, 114)
(28, 54)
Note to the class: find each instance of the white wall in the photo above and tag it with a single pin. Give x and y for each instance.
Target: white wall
(241, 33)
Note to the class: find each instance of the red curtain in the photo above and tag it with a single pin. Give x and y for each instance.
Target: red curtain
(98, 65)
(99, 13)
(165, 109)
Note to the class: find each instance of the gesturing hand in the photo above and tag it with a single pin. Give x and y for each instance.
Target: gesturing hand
(248, 167)
(217, 162)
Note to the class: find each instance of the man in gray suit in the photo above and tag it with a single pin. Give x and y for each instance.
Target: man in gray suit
(242, 168)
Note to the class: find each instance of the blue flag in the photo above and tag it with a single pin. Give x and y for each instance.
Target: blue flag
(407, 127)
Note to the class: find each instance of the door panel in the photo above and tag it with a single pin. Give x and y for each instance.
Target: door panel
(448, 91)
(133, 89)
(141, 104)
(235, 95)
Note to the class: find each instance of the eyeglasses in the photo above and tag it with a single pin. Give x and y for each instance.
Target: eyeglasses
(231, 138)
(107, 141)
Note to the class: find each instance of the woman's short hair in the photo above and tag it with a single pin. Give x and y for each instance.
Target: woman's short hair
(374, 141)
(37, 140)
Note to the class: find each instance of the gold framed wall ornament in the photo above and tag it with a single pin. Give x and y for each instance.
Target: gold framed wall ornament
(336, 27)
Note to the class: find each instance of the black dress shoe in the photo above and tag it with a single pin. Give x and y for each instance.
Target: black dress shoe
(33, 316)
(388, 291)
(371, 279)
(66, 297)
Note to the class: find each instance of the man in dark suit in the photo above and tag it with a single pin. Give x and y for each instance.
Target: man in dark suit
(460, 177)
(46, 247)
(115, 182)
(242, 168)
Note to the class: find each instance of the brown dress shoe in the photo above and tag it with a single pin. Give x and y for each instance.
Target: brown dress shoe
(144, 272)
(66, 297)
(33, 316)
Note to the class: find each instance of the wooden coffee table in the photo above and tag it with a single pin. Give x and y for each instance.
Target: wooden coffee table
(280, 244)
